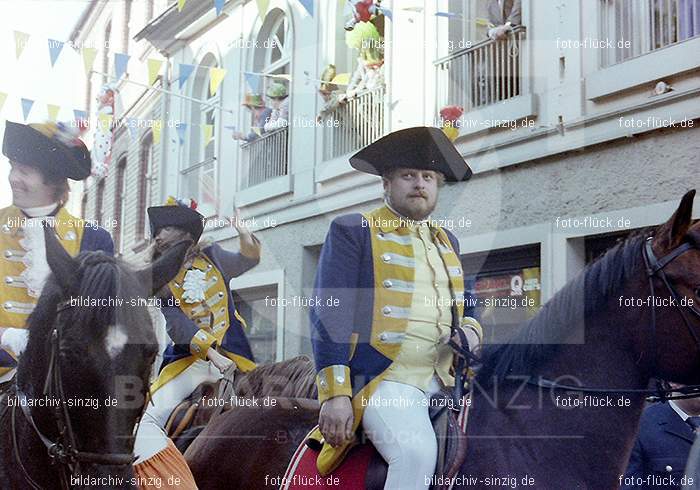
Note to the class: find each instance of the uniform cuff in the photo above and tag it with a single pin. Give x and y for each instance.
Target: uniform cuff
(473, 324)
(200, 343)
(333, 381)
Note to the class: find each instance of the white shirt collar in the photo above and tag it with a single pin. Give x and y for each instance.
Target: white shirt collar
(40, 210)
(678, 410)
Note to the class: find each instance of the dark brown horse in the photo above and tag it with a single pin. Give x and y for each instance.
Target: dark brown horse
(520, 434)
(68, 421)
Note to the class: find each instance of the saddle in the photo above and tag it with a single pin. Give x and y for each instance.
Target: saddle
(364, 467)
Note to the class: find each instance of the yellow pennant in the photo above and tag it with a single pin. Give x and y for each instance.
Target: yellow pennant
(53, 111)
(262, 7)
(105, 121)
(21, 40)
(3, 98)
(208, 133)
(180, 5)
(157, 129)
(216, 75)
(153, 70)
(89, 55)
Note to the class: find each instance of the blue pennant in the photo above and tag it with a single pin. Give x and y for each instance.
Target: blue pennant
(55, 48)
(184, 74)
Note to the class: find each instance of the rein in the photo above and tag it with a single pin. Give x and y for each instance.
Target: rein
(63, 450)
(654, 268)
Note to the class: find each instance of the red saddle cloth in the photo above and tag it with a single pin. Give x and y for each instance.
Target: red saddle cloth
(302, 473)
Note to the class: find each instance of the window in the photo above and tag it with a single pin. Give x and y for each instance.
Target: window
(273, 54)
(597, 245)
(144, 192)
(260, 315)
(106, 45)
(507, 288)
(199, 178)
(636, 27)
(99, 195)
(119, 208)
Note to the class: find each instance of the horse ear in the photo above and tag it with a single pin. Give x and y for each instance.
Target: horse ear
(673, 231)
(163, 270)
(61, 263)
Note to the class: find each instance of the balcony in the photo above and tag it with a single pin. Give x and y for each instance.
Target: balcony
(266, 157)
(356, 123)
(636, 27)
(483, 74)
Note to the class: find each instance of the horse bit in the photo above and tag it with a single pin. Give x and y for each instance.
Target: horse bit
(63, 450)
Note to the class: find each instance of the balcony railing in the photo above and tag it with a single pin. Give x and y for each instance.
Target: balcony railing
(354, 124)
(482, 74)
(266, 157)
(631, 28)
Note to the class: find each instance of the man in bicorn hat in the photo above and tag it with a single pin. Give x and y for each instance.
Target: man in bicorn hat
(207, 332)
(42, 159)
(398, 292)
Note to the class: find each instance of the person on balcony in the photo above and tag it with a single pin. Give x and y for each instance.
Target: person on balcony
(279, 100)
(369, 74)
(330, 93)
(504, 16)
(261, 114)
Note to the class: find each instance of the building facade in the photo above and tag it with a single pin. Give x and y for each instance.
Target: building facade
(580, 126)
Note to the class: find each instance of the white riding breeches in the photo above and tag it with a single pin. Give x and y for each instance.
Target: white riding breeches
(150, 436)
(397, 422)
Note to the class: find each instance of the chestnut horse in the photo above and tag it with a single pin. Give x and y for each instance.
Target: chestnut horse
(622, 321)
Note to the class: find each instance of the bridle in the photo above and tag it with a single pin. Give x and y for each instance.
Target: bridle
(654, 269)
(62, 450)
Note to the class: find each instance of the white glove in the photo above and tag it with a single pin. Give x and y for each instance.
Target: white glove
(15, 339)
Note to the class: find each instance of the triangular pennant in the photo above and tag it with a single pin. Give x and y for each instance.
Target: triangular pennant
(180, 5)
(184, 74)
(253, 81)
(308, 5)
(21, 40)
(105, 121)
(388, 13)
(153, 69)
(55, 48)
(216, 75)
(208, 133)
(26, 107)
(181, 129)
(157, 129)
(219, 5)
(89, 55)
(132, 126)
(121, 60)
(3, 98)
(53, 109)
(78, 114)
(262, 7)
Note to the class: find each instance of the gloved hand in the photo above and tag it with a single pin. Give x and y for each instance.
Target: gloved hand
(15, 339)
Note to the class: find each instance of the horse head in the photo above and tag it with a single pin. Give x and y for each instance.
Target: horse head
(89, 355)
(670, 342)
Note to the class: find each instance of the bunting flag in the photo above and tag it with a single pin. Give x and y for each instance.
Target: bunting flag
(21, 40)
(262, 8)
(121, 60)
(181, 129)
(219, 5)
(157, 129)
(308, 5)
(132, 125)
(216, 75)
(80, 115)
(208, 133)
(388, 13)
(153, 69)
(181, 5)
(55, 48)
(3, 98)
(253, 80)
(105, 121)
(184, 74)
(447, 14)
(26, 107)
(89, 55)
(53, 109)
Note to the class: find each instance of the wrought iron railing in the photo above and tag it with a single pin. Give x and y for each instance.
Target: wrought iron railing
(266, 157)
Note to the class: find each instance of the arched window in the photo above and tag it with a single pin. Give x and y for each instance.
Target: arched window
(199, 176)
(273, 54)
(144, 193)
(119, 208)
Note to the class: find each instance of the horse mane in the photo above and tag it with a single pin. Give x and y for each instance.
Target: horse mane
(539, 338)
(293, 378)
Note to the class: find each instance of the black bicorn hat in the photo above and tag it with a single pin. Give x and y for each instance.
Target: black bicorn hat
(420, 147)
(179, 213)
(53, 148)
